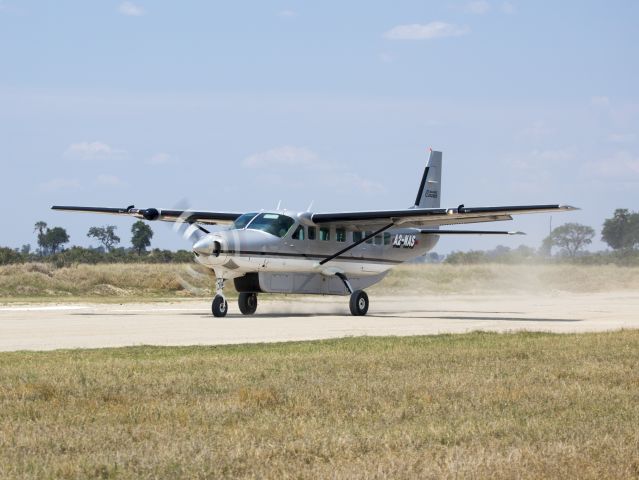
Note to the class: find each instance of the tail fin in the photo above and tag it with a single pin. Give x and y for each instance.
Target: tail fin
(429, 193)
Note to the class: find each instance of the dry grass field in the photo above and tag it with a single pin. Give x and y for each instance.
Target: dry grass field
(478, 405)
(136, 282)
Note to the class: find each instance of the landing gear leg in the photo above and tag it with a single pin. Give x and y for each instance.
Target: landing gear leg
(219, 306)
(359, 300)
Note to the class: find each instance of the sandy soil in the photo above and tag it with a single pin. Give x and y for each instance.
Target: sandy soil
(47, 327)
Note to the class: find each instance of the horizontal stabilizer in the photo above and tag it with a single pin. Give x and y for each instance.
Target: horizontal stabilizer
(469, 232)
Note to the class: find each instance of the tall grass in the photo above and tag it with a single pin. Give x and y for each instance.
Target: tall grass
(478, 405)
(138, 281)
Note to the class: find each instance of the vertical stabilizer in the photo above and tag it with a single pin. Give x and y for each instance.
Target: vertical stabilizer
(430, 189)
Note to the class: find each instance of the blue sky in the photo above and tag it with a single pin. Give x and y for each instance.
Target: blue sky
(238, 105)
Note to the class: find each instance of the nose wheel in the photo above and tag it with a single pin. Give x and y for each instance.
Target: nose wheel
(220, 306)
(247, 303)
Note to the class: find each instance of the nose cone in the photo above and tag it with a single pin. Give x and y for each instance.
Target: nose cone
(204, 246)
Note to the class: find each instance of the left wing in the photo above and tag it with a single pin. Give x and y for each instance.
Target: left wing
(186, 216)
(431, 217)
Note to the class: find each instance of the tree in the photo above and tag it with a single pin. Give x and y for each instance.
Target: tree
(41, 228)
(572, 237)
(142, 235)
(54, 238)
(105, 235)
(622, 230)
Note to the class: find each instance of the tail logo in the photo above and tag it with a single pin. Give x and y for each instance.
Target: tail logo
(431, 194)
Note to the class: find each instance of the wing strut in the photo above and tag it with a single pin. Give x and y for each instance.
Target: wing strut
(354, 244)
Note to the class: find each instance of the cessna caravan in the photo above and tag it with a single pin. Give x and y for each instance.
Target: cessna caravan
(332, 253)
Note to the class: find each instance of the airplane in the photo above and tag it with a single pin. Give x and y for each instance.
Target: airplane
(333, 253)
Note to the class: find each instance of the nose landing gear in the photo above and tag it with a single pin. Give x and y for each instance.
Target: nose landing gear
(220, 305)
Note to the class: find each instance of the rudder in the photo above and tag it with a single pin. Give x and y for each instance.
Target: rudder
(429, 193)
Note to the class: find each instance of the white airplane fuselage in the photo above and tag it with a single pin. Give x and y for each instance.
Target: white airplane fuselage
(235, 252)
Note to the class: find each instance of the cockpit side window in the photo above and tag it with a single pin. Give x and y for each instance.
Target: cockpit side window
(272, 223)
(298, 234)
(243, 220)
(311, 233)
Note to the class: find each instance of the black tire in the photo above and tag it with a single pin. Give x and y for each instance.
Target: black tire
(220, 306)
(359, 303)
(247, 303)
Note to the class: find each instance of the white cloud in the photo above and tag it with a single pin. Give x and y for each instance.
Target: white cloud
(92, 151)
(59, 184)
(622, 137)
(600, 101)
(508, 8)
(161, 159)
(287, 14)
(476, 7)
(287, 155)
(130, 9)
(428, 31)
(108, 180)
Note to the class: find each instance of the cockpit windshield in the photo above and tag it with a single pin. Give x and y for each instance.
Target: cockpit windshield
(272, 223)
(243, 220)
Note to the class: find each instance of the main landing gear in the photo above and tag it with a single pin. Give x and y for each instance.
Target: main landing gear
(358, 303)
(359, 300)
(247, 303)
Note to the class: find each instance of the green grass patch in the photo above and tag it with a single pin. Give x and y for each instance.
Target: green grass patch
(480, 405)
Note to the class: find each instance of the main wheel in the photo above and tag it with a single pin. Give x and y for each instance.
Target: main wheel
(248, 303)
(220, 306)
(359, 302)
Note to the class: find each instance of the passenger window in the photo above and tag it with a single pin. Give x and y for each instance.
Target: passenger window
(311, 233)
(340, 234)
(387, 238)
(299, 233)
(370, 240)
(357, 236)
(378, 239)
(325, 233)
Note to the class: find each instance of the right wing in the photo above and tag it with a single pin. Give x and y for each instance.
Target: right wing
(431, 217)
(185, 216)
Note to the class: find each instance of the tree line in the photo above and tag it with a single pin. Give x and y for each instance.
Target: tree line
(620, 232)
(51, 242)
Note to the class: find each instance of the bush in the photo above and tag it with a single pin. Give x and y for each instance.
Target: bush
(9, 256)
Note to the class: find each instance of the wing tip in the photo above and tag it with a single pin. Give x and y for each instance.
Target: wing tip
(568, 208)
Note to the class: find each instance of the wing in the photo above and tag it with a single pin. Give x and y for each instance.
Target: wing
(187, 216)
(432, 217)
